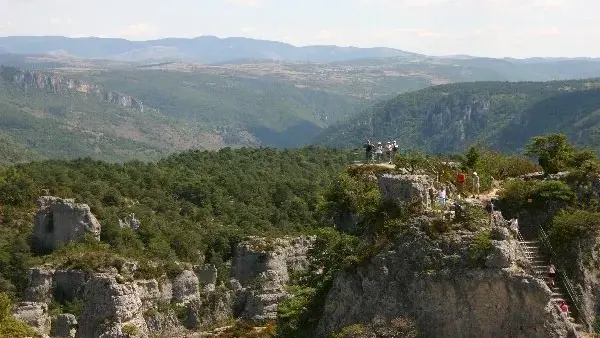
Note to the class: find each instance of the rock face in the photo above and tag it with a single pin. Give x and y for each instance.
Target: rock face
(262, 268)
(59, 221)
(429, 281)
(110, 308)
(35, 315)
(185, 287)
(407, 188)
(58, 84)
(64, 326)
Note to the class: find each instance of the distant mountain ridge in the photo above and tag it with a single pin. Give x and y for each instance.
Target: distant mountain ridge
(205, 49)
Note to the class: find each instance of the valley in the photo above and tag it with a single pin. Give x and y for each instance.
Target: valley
(212, 188)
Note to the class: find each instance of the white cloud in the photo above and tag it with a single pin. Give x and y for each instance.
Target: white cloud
(247, 3)
(137, 30)
(61, 21)
(327, 34)
(248, 29)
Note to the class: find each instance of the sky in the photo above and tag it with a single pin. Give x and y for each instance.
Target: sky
(494, 28)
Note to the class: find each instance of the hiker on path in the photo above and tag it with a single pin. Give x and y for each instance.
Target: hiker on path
(388, 151)
(564, 307)
(460, 182)
(514, 226)
(475, 184)
(394, 151)
(442, 198)
(551, 274)
(368, 151)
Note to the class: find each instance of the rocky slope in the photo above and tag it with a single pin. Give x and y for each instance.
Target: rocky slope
(430, 282)
(120, 300)
(58, 84)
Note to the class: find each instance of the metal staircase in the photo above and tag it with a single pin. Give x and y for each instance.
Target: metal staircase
(563, 289)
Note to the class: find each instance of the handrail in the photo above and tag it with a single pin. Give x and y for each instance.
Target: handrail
(567, 282)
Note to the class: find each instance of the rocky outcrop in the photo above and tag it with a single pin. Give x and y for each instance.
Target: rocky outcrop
(61, 85)
(262, 267)
(408, 188)
(110, 308)
(211, 309)
(40, 285)
(185, 287)
(130, 222)
(431, 281)
(65, 326)
(35, 315)
(59, 221)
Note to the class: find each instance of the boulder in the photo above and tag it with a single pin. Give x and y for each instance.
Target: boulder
(210, 309)
(130, 222)
(110, 308)
(185, 287)
(501, 256)
(39, 286)
(407, 188)
(59, 221)
(65, 325)
(261, 269)
(207, 277)
(35, 315)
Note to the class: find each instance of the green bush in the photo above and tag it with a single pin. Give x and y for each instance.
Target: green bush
(9, 326)
(130, 330)
(352, 331)
(479, 248)
(516, 196)
(568, 228)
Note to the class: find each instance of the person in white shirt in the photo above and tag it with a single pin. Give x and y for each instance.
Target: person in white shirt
(442, 198)
(475, 184)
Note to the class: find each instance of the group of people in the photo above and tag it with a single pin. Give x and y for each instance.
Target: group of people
(380, 152)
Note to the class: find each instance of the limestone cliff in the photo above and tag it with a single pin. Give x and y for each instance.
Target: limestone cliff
(119, 301)
(432, 281)
(61, 85)
(59, 221)
(262, 268)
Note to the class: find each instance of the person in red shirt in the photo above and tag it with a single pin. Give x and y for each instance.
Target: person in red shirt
(460, 180)
(564, 307)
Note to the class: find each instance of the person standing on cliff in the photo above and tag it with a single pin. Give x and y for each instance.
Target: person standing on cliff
(475, 184)
(442, 198)
(368, 151)
(394, 152)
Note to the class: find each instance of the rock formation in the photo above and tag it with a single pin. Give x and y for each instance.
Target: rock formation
(407, 188)
(59, 221)
(65, 326)
(262, 267)
(110, 308)
(35, 315)
(58, 84)
(432, 282)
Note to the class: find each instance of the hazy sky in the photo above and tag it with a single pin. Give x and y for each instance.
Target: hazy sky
(518, 28)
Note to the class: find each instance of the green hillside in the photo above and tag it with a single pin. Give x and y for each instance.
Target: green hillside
(37, 124)
(180, 111)
(194, 206)
(276, 113)
(503, 115)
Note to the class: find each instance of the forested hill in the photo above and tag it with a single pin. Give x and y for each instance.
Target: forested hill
(502, 115)
(192, 205)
